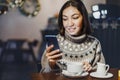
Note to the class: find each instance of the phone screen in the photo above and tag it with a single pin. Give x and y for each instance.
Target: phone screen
(51, 39)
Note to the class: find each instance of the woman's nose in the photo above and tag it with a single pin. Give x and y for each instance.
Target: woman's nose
(70, 22)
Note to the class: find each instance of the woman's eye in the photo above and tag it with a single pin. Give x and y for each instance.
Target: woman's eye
(64, 19)
(76, 17)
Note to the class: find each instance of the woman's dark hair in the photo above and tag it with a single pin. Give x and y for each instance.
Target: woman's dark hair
(86, 29)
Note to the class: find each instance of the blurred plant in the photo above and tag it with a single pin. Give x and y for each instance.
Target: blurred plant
(29, 8)
(3, 7)
(15, 3)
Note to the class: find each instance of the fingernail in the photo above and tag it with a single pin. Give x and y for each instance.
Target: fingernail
(58, 49)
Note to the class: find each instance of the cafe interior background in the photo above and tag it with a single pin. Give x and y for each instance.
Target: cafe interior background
(23, 23)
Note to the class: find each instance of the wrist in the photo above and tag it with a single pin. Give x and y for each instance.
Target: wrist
(52, 64)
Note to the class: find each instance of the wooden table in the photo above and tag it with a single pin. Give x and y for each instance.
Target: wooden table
(53, 76)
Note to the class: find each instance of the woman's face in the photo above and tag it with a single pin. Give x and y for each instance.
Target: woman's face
(72, 20)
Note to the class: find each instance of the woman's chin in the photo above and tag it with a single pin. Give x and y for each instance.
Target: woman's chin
(72, 34)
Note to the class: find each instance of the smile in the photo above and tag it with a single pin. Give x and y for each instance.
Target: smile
(71, 29)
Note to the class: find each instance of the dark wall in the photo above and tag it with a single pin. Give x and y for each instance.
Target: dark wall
(116, 2)
(108, 31)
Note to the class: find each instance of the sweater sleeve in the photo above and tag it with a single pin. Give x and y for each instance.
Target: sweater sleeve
(45, 64)
(98, 57)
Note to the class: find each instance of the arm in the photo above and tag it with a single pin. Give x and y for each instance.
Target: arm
(45, 64)
(98, 57)
(49, 58)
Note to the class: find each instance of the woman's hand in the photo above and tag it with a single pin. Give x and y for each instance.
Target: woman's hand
(54, 55)
(87, 66)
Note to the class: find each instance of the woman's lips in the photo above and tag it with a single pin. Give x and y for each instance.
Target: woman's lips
(71, 29)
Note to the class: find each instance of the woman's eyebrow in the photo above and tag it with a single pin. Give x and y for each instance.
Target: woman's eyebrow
(72, 14)
(64, 16)
(75, 14)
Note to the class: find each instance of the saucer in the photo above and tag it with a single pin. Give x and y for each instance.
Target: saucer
(94, 74)
(74, 75)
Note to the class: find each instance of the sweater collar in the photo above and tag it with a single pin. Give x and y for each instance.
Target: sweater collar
(75, 39)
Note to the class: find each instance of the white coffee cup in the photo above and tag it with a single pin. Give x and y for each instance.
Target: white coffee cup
(102, 69)
(75, 67)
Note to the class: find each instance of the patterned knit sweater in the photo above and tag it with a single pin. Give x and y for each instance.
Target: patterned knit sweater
(77, 49)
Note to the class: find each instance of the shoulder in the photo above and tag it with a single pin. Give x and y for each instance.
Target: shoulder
(59, 37)
(93, 38)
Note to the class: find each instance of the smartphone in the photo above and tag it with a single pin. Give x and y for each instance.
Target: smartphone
(51, 39)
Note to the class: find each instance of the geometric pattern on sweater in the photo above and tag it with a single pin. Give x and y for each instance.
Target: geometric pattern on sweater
(84, 51)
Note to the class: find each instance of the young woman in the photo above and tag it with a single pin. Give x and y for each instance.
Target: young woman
(75, 41)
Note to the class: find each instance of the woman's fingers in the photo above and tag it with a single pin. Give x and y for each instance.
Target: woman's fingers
(49, 48)
(54, 57)
(87, 66)
(90, 68)
(53, 52)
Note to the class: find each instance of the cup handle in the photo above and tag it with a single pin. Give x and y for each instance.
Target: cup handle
(107, 68)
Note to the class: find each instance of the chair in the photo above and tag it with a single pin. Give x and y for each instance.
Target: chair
(2, 45)
(12, 50)
(29, 49)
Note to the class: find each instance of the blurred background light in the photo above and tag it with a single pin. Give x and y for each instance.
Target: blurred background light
(96, 15)
(95, 8)
(104, 11)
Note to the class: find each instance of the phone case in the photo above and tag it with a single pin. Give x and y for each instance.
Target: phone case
(51, 39)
